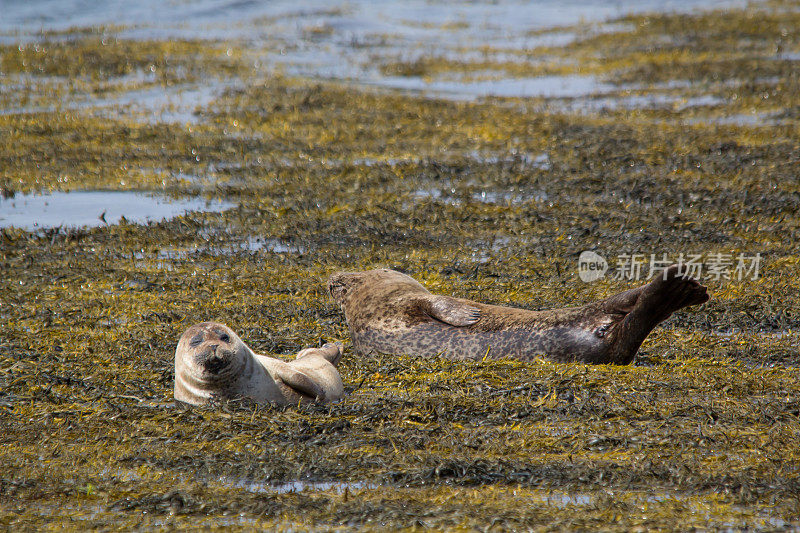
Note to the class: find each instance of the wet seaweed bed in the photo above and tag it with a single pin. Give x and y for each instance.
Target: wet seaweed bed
(491, 200)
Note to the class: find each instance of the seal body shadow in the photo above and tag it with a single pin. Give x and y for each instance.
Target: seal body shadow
(212, 361)
(390, 312)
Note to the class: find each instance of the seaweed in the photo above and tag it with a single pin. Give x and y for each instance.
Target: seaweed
(491, 200)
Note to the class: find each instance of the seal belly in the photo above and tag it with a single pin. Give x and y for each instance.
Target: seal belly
(430, 339)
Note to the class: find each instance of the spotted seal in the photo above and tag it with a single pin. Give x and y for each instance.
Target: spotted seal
(211, 360)
(390, 312)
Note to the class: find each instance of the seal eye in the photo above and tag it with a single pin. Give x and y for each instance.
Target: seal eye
(196, 340)
(224, 338)
(602, 330)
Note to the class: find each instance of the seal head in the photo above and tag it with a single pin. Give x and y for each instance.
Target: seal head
(212, 361)
(210, 358)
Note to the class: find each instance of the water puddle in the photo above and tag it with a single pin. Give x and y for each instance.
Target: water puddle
(165, 258)
(562, 500)
(509, 197)
(389, 161)
(624, 101)
(348, 40)
(234, 246)
(485, 251)
(170, 105)
(296, 486)
(763, 334)
(541, 87)
(151, 103)
(444, 196)
(274, 245)
(96, 208)
(78, 513)
(540, 162)
(754, 119)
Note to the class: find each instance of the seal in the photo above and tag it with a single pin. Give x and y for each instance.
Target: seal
(212, 361)
(390, 312)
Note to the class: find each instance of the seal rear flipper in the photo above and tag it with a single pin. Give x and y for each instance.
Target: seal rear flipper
(664, 294)
(298, 382)
(671, 290)
(452, 311)
(622, 303)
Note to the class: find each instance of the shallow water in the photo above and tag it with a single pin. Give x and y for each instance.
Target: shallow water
(95, 208)
(173, 105)
(296, 486)
(351, 39)
(543, 86)
(635, 101)
(510, 197)
(316, 19)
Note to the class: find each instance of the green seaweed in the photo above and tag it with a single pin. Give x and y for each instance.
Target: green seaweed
(700, 433)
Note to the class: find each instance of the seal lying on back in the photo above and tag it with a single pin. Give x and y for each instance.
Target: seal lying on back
(211, 360)
(389, 312)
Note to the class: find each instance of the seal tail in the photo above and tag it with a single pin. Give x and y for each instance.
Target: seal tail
(647, 306)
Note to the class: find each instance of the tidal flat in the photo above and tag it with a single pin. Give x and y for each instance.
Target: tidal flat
(692, 146)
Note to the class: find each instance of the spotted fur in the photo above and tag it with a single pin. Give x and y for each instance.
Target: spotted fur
(389, 312)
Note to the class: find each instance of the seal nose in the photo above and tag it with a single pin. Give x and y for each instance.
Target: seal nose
(214, 362)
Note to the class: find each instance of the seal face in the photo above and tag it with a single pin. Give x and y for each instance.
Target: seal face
(212, 361)
(390, 312)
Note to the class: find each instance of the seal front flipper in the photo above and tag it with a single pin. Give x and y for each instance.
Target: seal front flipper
(331, 352)
(298, 382)
(451, 310)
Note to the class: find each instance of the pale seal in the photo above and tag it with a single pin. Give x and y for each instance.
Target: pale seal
(212, 361)
(389, 312)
